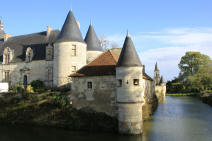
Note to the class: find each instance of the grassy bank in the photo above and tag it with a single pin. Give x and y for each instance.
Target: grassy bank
(181, 94)
(52, 109)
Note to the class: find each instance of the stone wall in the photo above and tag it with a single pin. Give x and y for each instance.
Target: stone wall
(100, 98)
(35, 70)
(66, 59)
(160, 91)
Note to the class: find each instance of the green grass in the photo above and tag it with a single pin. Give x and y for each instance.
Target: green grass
(181, 94)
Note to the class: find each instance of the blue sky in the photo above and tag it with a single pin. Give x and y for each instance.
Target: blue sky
(162, 30)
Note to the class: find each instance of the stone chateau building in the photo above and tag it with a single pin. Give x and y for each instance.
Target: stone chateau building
(112, 81)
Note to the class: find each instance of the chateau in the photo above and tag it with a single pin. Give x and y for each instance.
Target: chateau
(112, 81)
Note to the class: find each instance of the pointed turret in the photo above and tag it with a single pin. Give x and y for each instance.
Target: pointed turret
(70, 30)
(1, 28)
(162, 80)
(128, 56)
(156, 66)
(93, 43)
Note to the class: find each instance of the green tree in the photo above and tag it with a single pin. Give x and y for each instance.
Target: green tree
(191, 62)
(195, 71)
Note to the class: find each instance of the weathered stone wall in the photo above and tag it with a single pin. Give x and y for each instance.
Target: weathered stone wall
(100, 98)
(65, 60)
(130, 99)
(35, 70)
(160, 91)
(91, 55)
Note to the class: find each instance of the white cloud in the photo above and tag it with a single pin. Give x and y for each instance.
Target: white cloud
(174, 42)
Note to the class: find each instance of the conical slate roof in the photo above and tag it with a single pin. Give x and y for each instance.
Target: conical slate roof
(92, 40)
(162, 80)
(128, 56)
(70, 30)
(156, 66)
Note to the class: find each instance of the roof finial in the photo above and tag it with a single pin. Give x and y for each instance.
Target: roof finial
(71, 9)
(127, 33)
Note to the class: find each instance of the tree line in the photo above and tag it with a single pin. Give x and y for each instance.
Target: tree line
(195, 74)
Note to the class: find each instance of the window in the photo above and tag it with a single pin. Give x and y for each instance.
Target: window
(74, 69)
(89, 85)
(7, 55)
(7, 76)
(74, 50)
(136, 81)
(29, 55)
(119, 83)
(49, 53)
(49, 74)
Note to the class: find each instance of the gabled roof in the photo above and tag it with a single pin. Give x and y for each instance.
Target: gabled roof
(70, 30)
(162, 80)
(105, 64)
(128, 56)
(92, 40)
(36, 41)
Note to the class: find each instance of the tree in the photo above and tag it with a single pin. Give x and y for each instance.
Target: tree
(195, 71)
(191, 62)
(104, 42)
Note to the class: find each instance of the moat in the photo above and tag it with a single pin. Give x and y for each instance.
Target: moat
(177, 119)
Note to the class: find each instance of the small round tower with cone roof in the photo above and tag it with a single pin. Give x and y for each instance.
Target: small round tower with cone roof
(130, 89)
(94, 48)
(69, 51)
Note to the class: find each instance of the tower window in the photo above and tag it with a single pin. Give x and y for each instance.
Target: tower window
(7, 76)
(136, 81)
(74, 69)
(74, 50)
(89, 85)
(119, 83)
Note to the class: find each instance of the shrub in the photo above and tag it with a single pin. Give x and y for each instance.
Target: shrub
(30, 89)
(38, 86)
(18, 88)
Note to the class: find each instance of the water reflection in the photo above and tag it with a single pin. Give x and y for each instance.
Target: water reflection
(177, 119)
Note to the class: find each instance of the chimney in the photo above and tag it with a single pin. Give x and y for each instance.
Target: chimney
(78, 23)
(6, 36)
(143, 68)
(48, 31)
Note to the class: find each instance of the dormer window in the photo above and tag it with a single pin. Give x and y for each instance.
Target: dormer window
(7, 55)
(49, 53)
(29, 55)
(136, 81)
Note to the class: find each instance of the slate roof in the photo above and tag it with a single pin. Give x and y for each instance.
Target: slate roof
(93, 43)
(103, 65)
(128, 56)
(70, 30)
(37, 41)
(156, 66)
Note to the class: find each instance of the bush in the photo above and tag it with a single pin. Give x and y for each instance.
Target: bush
(38, 86)
(18, 88)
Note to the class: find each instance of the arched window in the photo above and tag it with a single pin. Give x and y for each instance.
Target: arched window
(29, 55)
(7, 55)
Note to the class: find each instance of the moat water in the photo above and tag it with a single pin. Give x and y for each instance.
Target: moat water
(177, 119)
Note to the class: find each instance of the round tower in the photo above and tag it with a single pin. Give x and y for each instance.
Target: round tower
(94, 48)
(69, 51)
(130, 89)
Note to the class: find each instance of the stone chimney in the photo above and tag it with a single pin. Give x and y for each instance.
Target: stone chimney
(48, 31)
(78, 23)
(143, 68)
(6, 36)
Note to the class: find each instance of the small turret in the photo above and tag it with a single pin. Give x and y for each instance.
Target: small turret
(94, 48)
(1, 30)
(129, 91)
(69, 51)
(156, 74)
(162, 81)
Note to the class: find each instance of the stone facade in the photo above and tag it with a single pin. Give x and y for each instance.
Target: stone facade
(68, 58)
